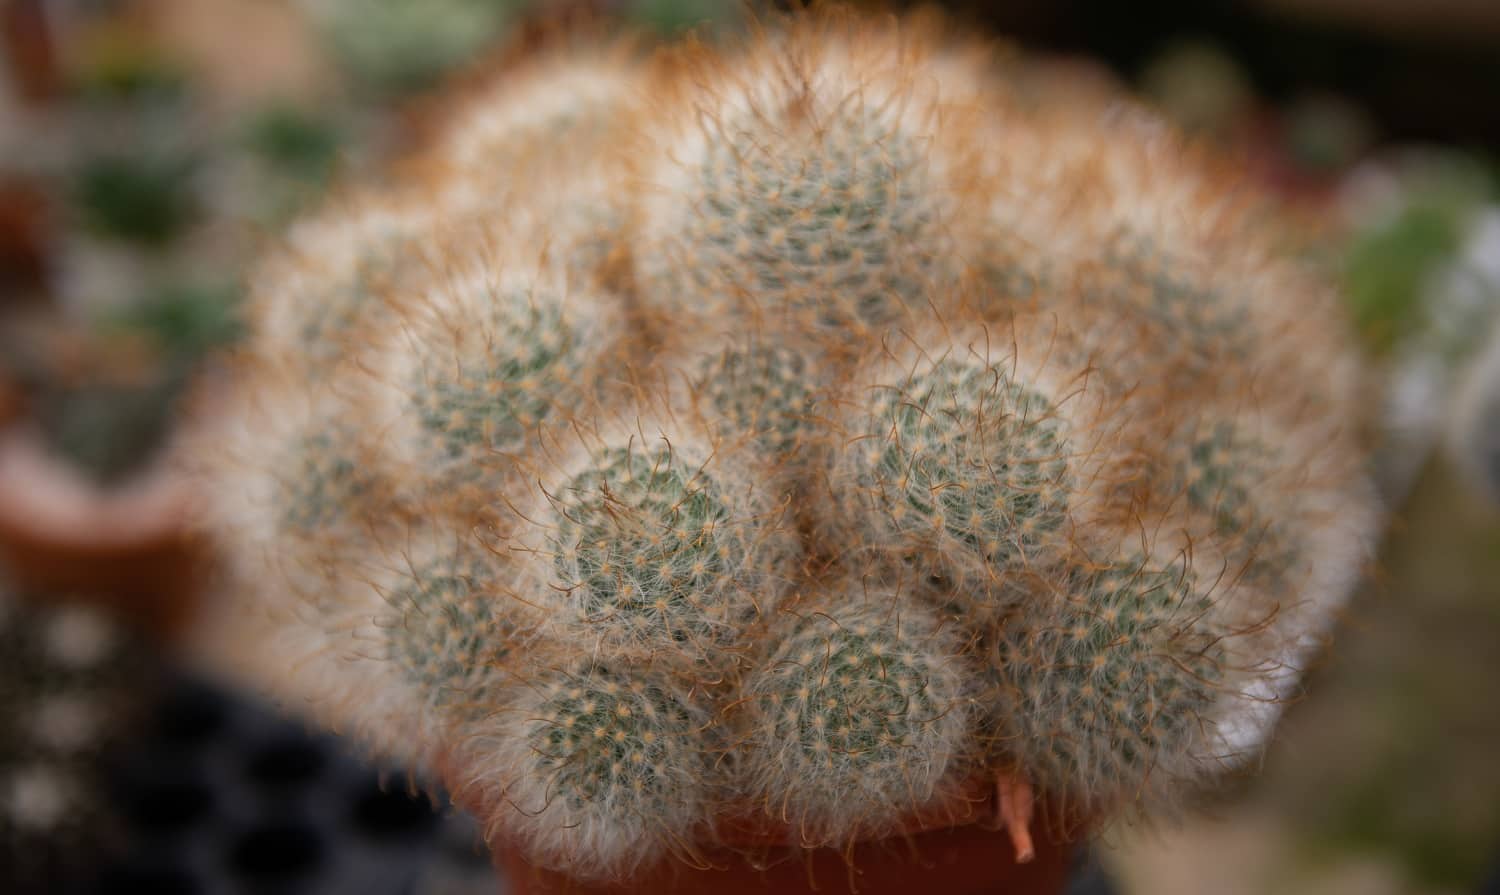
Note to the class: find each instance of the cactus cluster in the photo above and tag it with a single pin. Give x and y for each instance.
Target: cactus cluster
(811, 429)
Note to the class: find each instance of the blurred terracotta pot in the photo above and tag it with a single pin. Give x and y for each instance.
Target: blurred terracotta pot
(961, 852)
(126, 548)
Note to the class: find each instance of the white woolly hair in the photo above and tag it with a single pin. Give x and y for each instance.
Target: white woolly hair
(1314, 505)
(255, 450)
(560, 102)
(295, 603)
(845, 659)
(1033, 353)
(750, 552)
(313, 298)
(520, 765)
(463, 332)
(454, 647)
(785, 99)
(325, 664)
(1078, 179)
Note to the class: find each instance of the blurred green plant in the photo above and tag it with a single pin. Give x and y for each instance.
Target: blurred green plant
(397, 46)
(295, 142)
(108, 421)
(1389, 262)
(144, 198)
(184, 322)
(671, 16)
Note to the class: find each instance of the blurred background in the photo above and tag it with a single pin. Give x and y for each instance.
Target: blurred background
(149, 149)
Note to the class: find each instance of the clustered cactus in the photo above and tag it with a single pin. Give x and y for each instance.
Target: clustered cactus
(811, 430)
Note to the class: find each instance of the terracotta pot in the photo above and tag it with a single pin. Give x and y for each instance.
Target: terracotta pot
(954, 861)
(126, 549)
(954, 852)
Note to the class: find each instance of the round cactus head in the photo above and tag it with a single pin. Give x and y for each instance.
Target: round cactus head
(809, 223)
(321, 297)
(660, 547)
(454, 623)
(1107, 688)
(324, 484)
(764, 391)
(806, 192)
(491, 356)
(605, 767)
(960, 466)
(859, 716)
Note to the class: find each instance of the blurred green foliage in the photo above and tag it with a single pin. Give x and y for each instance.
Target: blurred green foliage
(183, 322)
(403, 45)
(121, 67)
(107, 424)
(294, 141)
(1389, 263)
(145, 197)
(671, 16)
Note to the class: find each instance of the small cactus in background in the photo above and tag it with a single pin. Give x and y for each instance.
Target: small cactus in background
(872, 420)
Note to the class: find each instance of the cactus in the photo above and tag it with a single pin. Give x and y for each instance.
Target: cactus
(484, 360)
(451, 626)
(874, 420)
(806, 189)
(605, 766)
(1108, 687)
(960, 463)
(859, 715)
(651, 545)
(767, 392)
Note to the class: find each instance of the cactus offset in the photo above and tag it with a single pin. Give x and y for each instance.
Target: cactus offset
(962, 460)
(1107, 687)
(859, 715)
(452, 623)
(871, 420)
(654, 544)
(601, 768)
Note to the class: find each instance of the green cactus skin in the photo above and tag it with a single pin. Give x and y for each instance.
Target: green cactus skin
(819, 224)
(608, 766)
(1105, 689)
(767, 392)
(480, 391)
(655, 547)
(962, 469)
(859, 716)
(454, 624)
(324, 486)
